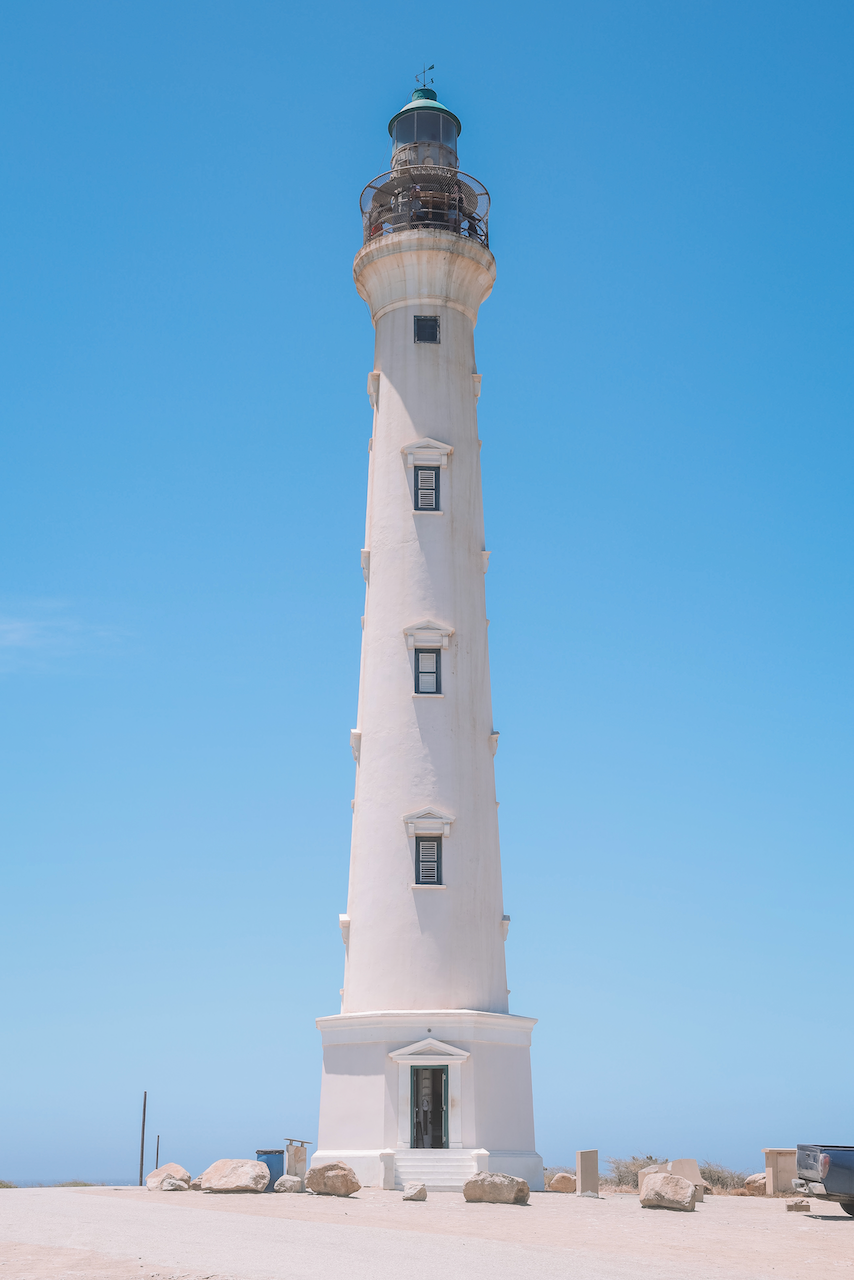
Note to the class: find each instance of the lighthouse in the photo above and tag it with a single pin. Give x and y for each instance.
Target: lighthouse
(426, 1073)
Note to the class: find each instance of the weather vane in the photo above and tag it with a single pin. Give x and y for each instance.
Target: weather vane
(421, 77)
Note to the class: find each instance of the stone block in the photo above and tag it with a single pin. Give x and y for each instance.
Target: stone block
(587, 1173)
(415, 1191)
(668, 1191)
(797, 1206)
(333, 1179)
(496, 1188)
(296, 1160)
(235, 1176)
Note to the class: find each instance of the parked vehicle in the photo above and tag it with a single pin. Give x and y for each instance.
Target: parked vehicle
(827, 1173)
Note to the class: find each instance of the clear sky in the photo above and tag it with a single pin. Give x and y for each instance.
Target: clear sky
(666, 416)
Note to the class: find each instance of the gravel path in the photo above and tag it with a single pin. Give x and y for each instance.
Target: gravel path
(114, 1234)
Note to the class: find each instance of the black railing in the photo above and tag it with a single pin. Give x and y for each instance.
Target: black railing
(408, 198)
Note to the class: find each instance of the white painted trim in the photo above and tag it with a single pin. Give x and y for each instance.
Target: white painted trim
(428, 822)
(429, 1053)
(429, 886)
(428, 695)
(428, 634)
(427, 452)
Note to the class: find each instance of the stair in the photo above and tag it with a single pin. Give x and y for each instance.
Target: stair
(438, 1170)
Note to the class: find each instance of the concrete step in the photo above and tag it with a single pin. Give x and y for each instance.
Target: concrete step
(438, 1170)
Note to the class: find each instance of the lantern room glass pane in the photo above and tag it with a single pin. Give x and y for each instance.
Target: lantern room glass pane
(449, 133)
(429, 126)
(404, 130)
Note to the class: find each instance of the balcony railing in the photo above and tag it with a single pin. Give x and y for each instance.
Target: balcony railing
(409, 198)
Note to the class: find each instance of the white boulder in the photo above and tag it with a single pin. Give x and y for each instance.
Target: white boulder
(415, 1191)
(496, 1188)
(668, 1191)
(562, 1182)
(236, 1175)
(756, 1184)
(169, 1177)
(288, 1182)
(333, 1179)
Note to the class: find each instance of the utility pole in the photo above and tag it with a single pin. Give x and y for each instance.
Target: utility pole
(157, 1154)
(142, 1137)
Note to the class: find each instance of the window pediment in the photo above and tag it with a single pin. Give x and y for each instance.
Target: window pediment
(428, 635)
(427, 453)
(429, 1053)
(428, 822)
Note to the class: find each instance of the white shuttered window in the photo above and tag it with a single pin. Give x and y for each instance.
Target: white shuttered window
(426, 488)
(427, 671)
(428, 860)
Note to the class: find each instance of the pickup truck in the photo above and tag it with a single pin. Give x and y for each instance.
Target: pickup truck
(827, 1173)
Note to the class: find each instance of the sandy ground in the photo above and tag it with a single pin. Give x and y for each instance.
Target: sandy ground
(113, 1234)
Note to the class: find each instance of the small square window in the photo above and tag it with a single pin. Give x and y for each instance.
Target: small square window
(426, 328)
(426, 488)
(428, 860)
(428, 671)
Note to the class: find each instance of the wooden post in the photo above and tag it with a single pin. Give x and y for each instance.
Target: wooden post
(142, 1137)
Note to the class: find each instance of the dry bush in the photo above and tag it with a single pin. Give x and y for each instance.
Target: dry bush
(624, 1173)
(78, 1184)
(8, 1186)
(722, 1180)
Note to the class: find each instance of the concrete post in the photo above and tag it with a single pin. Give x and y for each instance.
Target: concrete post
(587, 1173)
(387, 1161)
(296, 1161)
(481, 1160)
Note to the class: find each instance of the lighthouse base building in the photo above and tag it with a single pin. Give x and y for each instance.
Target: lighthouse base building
(426, 1074)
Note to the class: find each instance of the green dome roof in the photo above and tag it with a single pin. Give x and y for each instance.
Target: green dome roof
(425, 100)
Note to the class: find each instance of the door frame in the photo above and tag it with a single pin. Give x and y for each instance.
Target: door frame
(429, 1053)
(446, 1071)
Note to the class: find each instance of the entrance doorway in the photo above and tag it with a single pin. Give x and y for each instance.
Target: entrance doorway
(430, 1107)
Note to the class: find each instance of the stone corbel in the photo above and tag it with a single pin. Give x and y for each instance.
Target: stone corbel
(374, 388)
(427, 453)
(427, 635)
(486, 555)
(356, 743)
(493, 740)
(476, 378)
(366, 564)
(505, 927)
(428, 822)
(344, 926)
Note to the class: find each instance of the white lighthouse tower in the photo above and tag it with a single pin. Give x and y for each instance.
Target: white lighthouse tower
(425, 1073)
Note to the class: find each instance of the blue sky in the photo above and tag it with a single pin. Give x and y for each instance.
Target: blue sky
(666, 415)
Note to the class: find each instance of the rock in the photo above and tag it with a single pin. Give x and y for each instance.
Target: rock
(667, 1191)
(755, 1184)
(644, 1173)
(236, 1175)
(288, 1182)
(562, 1182)
(196, 1184)
(169, 1177)
(496, 1188)
(334, 1179)
(708, 1188)
(415, 1191)
(797, 1206)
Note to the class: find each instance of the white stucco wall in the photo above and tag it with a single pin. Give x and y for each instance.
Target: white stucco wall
(416, 947)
